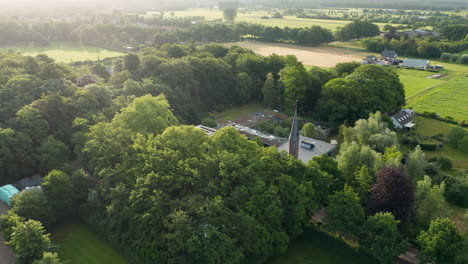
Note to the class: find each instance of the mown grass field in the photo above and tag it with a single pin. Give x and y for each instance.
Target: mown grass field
(428, 127)
(255, 17)
(78, 244)
(67, 52)
(416, 81)
(314, 247)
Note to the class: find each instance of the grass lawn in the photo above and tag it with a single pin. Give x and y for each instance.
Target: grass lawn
(315, 247)
(78, 244)
(428, 127)
(255, 17)
(67, 52)
(447, 99)
(236, 112)
(415, 81)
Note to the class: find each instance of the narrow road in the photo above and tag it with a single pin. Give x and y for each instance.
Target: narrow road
(6, 254)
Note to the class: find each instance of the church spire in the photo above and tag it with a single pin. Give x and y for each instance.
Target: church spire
(294, 137)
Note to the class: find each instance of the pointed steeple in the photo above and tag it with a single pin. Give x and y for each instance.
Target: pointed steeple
(294, 137)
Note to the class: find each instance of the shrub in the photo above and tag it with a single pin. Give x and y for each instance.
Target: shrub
(209, 122)
(443, 162)
(445, 56)
(455, 57)
(430, 147)
(457, 193)
(464, 59)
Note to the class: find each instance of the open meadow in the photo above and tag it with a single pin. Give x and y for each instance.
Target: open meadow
(255, 17)
(67, 52)
(78, 244)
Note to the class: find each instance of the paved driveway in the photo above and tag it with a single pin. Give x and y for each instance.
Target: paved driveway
(6, 254)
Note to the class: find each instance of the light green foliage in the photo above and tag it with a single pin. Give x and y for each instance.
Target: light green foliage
(58, 189)
(7, 223)
(344, 213)
(416, 163)
(309, 130)
(272, 93)
(353, 156)
(146, 115)
(364, 181)
(52, 154)
(49, 258)
(393, 157)
(430, 200)
(33, 204)
(440, 243)
(375, 133)
(29, 241)
(382, 238)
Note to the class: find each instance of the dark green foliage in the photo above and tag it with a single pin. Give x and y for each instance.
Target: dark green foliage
(464, 59)
(443, 162)
(457, 190)
(455, 136)
(57, 187)
(368, 89)
(381, 237)
(198, 193)
(445, 56)
(33, 204)
(346, 68)
(209, 122)
(441, 243)
(357, 29)
(345, 214)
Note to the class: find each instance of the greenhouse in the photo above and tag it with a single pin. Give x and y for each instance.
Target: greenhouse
(6, 192)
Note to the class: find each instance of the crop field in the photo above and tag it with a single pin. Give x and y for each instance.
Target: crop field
(67, 52)
(78, 244)
(322, 56)
(255, 17)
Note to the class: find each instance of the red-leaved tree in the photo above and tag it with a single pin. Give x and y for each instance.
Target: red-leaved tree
(393, 192)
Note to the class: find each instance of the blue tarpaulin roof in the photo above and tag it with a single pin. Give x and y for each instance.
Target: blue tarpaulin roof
(6, 192)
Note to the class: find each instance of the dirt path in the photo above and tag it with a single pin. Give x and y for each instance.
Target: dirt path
(6, 254)
(322, 56)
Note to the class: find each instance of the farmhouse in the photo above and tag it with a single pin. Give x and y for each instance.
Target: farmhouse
(418, 64)
(404, 119)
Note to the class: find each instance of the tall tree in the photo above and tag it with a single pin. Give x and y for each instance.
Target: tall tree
(416, 163)
(344, 213)
(229, 14)
(441, 243)
(429, 200)
(29, 241)
(33, 204)
(393, 192)
(58, 187)
(382, 238)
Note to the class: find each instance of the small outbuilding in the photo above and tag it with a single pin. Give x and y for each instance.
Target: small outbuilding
(33, 181)
(7, 192)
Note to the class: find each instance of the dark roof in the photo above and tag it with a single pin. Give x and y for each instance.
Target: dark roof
(403, 117)
(294, 135)
(35, 180)
(389, 54)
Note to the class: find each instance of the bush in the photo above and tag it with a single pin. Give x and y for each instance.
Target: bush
(445, 56)
(430, 147)
(464, 59)
(443, 162)
(455, 57)
(209, 122)
(457, 193)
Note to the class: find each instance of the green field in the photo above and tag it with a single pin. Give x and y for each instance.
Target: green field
(315, 247)
(428, 127)
(255, 17)
(415, 81)
(67, 52)
(78, 244)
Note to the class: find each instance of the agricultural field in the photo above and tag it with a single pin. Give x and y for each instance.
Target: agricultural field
(255, 17)
(67, 52)
(416, 82)
(316, 247)
(78, 244)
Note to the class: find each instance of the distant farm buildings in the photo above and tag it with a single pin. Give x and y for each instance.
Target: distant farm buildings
(390, 57)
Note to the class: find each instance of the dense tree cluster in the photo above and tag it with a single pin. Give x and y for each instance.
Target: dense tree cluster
(357, 29)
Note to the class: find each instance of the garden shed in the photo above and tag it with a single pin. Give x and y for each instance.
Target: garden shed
(6, 192)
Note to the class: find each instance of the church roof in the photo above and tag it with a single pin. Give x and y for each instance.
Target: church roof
(294, 135)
